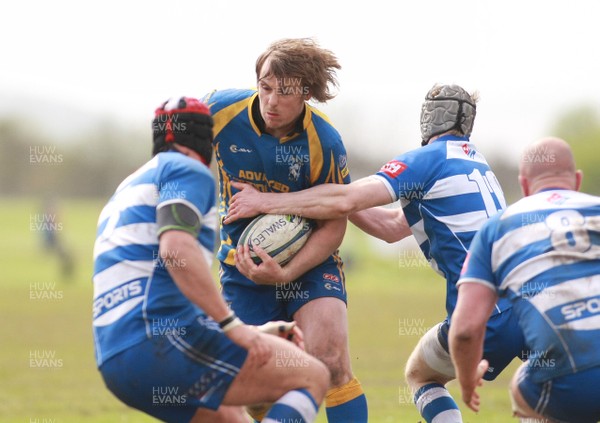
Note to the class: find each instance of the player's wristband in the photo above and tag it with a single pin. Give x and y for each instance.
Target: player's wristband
(230, 322)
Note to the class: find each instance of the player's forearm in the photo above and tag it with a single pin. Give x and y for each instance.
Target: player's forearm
(467, 329)
(323, 202)
(202, 291)
(327, 201)
(466, 350)
(389, 225)
(323, 242)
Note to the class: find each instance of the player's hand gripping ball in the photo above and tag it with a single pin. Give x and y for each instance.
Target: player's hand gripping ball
(281, 236)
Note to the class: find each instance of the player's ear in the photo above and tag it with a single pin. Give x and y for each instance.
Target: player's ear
(524, 185)
(578, 179)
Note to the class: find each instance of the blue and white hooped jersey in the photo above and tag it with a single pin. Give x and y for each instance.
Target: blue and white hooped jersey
(312, 154)
(543, 254)
(134, 295)
(447, 191)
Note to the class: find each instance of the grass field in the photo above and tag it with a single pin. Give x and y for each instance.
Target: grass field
(47, 364)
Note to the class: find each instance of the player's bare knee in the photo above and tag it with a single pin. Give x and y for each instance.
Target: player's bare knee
(340, 377)
(338, 366)
(322, 377)
(413, 371)
(414, 378)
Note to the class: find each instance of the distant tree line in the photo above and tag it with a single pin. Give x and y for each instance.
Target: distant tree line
(35, 164)
(581, 128)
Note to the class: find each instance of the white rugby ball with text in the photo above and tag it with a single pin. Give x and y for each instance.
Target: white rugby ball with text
(280, 235)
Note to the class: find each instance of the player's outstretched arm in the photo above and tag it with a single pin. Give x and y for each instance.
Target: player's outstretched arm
(467, 330)
(387, 224)
(326, 201)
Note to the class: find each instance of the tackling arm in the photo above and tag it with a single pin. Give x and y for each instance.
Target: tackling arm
(326, 201)
(389, 225)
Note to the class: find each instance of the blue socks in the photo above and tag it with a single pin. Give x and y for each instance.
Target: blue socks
(353, 411)
(434, 402)
(347, 404)
(296, 406)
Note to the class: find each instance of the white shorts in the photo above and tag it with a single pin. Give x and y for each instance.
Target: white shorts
(434, 354)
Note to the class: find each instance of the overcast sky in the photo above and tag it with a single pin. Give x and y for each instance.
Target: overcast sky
(529, 60)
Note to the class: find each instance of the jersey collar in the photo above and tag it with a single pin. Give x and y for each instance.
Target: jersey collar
(451, 138)
(258, 123)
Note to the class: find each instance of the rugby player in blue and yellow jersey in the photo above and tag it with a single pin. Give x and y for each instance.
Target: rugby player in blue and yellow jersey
(542, 254)
(166, 342)
(273, 139)
(446, 190)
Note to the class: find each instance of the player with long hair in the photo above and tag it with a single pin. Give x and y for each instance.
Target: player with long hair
(274, 140)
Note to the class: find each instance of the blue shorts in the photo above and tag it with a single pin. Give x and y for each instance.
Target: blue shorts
(571, 398)
(258, 304)
(170, 377)
(502, 343)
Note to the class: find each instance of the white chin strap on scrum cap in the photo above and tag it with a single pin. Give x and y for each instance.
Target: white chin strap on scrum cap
(447, 108)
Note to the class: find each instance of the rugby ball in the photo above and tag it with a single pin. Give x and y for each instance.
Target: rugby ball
(280, 235)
